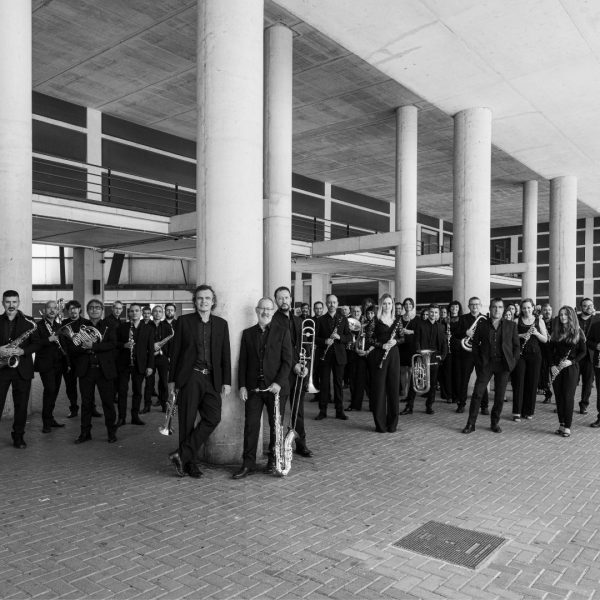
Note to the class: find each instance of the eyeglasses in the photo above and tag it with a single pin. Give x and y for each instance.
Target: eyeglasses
(94, 307)
(265, 308)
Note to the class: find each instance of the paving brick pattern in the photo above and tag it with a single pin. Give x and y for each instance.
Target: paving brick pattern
(113, 521)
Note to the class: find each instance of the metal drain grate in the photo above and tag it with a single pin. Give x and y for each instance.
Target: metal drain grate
(463, 547)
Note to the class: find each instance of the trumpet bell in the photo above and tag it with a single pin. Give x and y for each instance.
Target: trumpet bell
(165, 431)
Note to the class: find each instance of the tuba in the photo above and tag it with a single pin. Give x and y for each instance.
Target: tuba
(167, 428)
(421, 369)
(13, 360)
(467, 341)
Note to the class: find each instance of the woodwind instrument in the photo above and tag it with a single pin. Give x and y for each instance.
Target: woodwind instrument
(397, 330)
(57, 341)
(13, 360)
(528, 335)
(159, 345)
(335, 329)
(558, 368)
(132, 345)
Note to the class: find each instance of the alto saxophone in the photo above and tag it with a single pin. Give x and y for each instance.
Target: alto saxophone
(159, 345)
(13, 360)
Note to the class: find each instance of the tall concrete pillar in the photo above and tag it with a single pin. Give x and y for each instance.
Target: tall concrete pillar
(530, 222)
(87, 268)
(94, 154)
(277, 158)
(15, 149)
(406, 201)
(385, 286)
(563, 241)
(319, 287)
(298, 288)
(471, 208)
(229, 182)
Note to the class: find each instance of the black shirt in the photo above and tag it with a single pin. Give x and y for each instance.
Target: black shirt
(496, 354)
(203, 358)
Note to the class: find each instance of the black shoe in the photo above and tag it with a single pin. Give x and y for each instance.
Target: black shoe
(95, 413)
(120, 422)
(193, 471)
(349, 409)
(407, 411)
(18, 441)
(321, 416)
(485, 411)
(470, 428)
(460, 409)
(56, 424)
(596, 423)
(341, 415)
(112, 438)
(137, 421)
(72, 414)
(46, 429)
(303, 451)
(496, 428)
(145, 410)
(83, 437)
(154, 393)
(176, 462)
(429, 410)
(269, 469)
(583, 411)
(243, 472)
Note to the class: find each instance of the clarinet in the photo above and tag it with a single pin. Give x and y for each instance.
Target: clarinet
(131, 341)
(553, 377)
(57, 342)
(337, 324)
(397, 327)
(527, 336)
(449, 335)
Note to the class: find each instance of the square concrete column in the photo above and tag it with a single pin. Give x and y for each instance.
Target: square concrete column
(530, 222)
(471, 208)
(563, 241)
(319, 287)
(406, 201)
(298, 287)
(277, 158)
(15, 149)
(229, 248)
(87, 268)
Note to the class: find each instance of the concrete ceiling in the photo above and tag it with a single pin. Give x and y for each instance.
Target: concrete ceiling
(136, 60)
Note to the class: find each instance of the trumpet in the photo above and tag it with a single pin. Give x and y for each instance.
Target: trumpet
(167, 428)
(421, 371)
(13, 360)
(467, 341)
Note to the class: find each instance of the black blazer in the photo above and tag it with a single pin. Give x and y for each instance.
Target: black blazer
(295, 327)
(183, 351)
(324, 329)
(29, 346)
(104, 350)
(438, 341)
(592, 340)
(143, 349)
(277, 360)
(511, 348)
(48, 356)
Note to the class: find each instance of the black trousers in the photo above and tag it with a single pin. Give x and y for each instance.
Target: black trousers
(385, 383)
(161, 367)
(525, 381)
(597, 375)
(299, 398)
(327, 367)
(586, 371)
(197, 396)
(20, 395)
(445, 378)
(564, 386)
(51, 382)
(501, 376)
(465, 368)
(430, 398)
(360, 382)
(137, 379)
(71, 385)
(87, 385)
(253, 410)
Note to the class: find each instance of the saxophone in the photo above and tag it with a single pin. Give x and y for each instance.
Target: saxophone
(158, 346)
(283, 444)
(13, 360)
(167, 428)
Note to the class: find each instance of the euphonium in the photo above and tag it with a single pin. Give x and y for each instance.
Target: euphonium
(467, 341)
(13, 360)
(171, 411)
(421, 370)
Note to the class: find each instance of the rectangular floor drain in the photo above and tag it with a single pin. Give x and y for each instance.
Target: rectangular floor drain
(463, 547)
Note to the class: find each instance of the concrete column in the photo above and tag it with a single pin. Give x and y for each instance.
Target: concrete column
(15, 149)
(87, 267)
(563, 241)
(471, 214)
(319, 288)
(588, 268)
(94, 154)
(530, 223)
(406, 201)
(327, 211)
(229, 182)
(298, 287)
(385, 286)
(277, 158)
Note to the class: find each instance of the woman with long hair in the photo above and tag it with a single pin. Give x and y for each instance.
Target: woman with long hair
(567, 348)
(532, 333)
(406, 344)
(385, 374)
(449, 374)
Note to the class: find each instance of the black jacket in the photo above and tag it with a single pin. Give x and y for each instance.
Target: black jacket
(325, 327)
(143, 349)
(511, 348)
(48, 356)
(104, 350)
(29, 346)
(432, 336)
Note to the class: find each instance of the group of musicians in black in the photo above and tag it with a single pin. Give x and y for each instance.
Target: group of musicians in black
(371, 347)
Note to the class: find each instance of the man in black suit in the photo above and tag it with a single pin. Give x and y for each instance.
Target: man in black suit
(496, 352)
(50, 362)
(332, 336)
(264, 367)
(135, 360)
(94, 365)
(170, 311)
(115, 318)
(284, 317)
(74, 320)
(201, 370)
(593, 347)
(13, 325)
(586, 318)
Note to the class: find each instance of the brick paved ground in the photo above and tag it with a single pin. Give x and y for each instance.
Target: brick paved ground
(113, 521)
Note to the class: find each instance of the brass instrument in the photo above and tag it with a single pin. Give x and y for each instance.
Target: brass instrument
(131, 345)
(171, 411)
(162, 342)
(13, 360)
(397, 330)
(421, 371)
(527, 336)
(60, 305)
(86, 333)
(307, 353)
(467, 341)
(355, 326)
(337, 324)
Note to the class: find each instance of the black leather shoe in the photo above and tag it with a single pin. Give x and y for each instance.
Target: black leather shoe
(321, 416)
(430, 411)
(342, 416)
(485, 411)
(269, 469)
(407, 411)
(596, 423)
(176, 462)
(46, 429)
(470, 428)
(137, 421)
(112, 438)
(460, 409)
(496, 428)
(145, 410)
(193, 471)
(83, 437)
(243, 472)
(18, 441)
(120, 422)
(303, 451)
(72, 414)
(95, 413)
(583, 411)
(56, 424)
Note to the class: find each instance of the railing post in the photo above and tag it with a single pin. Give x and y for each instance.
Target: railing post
(347, 230)
(108, 184)
(176, 198)
(314, 229)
